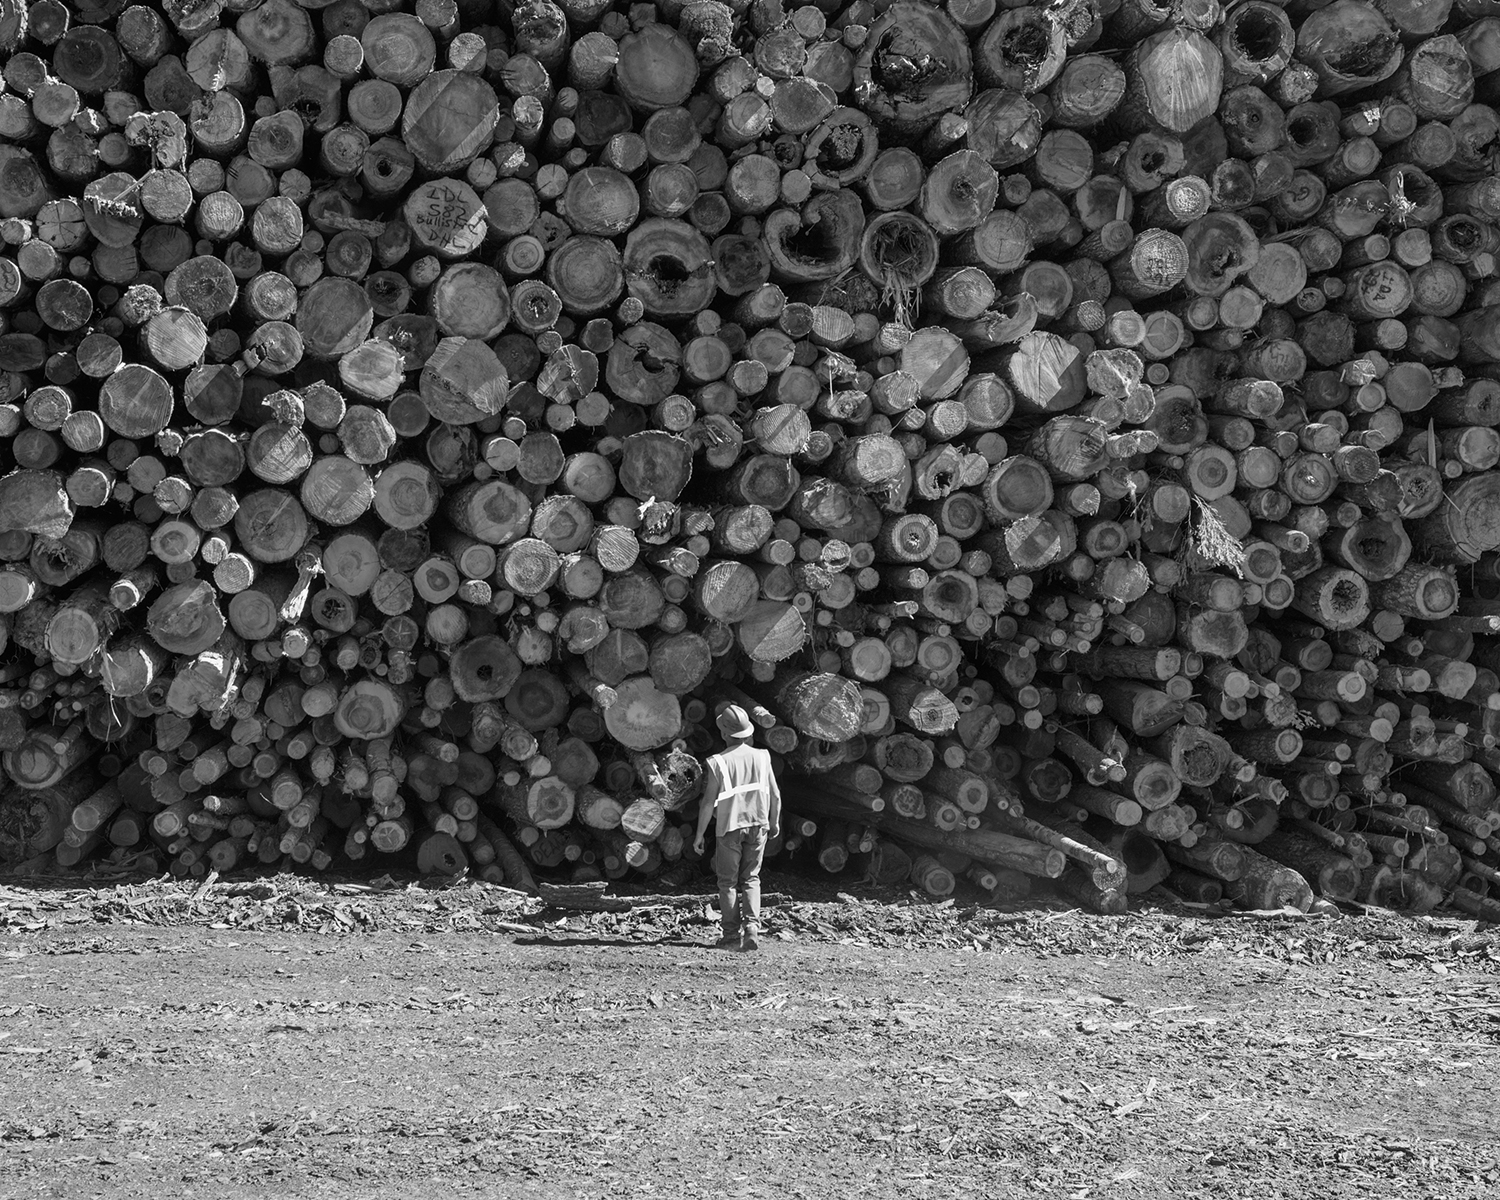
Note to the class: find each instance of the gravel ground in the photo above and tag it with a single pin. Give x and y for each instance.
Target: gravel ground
(283, 1037)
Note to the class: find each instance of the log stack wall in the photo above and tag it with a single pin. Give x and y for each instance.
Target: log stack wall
(1070, 431)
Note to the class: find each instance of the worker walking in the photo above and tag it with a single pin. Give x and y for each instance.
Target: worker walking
(739, 786)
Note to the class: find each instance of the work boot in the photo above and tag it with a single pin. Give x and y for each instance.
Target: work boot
(728, 942)
(750, 941)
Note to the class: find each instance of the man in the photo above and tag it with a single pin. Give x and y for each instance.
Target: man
(740, 786)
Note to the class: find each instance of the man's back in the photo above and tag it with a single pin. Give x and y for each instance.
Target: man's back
(747, 785)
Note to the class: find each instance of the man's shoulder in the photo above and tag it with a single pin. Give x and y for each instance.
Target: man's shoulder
(742, 754)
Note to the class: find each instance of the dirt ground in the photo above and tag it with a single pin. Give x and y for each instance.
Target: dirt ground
(282, 1038)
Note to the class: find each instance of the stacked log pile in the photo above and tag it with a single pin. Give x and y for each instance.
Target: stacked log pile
(1069, 430)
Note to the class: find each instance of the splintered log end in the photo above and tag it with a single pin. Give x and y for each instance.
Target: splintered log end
(1334, 597)
(672, 777)
(914, 67)
(819, 243)
(35, 502)
(669, 268)
(1350, 45)
(185, 619)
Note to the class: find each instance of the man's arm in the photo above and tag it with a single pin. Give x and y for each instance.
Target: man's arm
(774, 812)
(706, 808)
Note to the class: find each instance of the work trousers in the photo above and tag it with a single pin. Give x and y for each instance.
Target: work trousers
(737, 861)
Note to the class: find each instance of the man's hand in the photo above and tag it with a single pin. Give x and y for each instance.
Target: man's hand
(698, 844)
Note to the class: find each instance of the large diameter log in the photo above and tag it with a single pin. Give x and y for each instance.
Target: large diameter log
(35, 502)
(1332, 873)
(1267, 884)
(643, 717)
(448, 119)
(1335, 597)
(1221, 860)
(919, 705)
(771, 631)
(915, 66)
(46, 755)
(1376, 549)
(1030, 543)
(463, 382)
(1047, 373)
(1256, 40)
(839, 221)
(369, 709)
(1429, 593)
(656, 68)
(1174, 80)
(1350, 45)
(986, 845)
(1196, 756)
(655, 465)
(669, 268)
(1466, 525)
(1145, 864)
(185, 619)
(820, 705)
